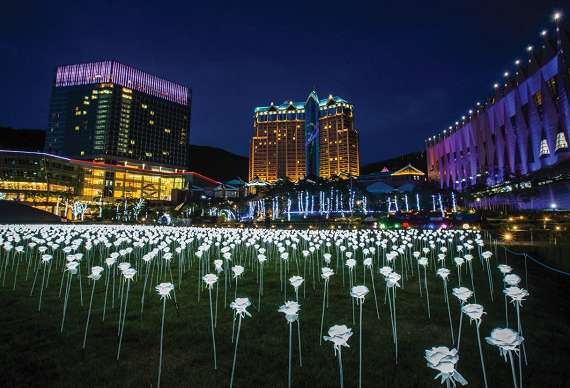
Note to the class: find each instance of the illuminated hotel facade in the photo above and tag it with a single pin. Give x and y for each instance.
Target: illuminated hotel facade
(304, 139)
(523, 128)
(43, 180)
(111, 112)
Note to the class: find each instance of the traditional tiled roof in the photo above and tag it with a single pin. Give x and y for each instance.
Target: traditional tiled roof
(408, 170)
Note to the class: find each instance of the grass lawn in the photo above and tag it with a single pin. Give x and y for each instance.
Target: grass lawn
(34, 353)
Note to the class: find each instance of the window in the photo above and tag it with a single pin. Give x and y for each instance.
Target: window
(561, 142)
(544, 150)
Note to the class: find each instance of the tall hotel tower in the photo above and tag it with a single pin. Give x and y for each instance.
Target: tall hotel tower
(304, 139)
(110, 112)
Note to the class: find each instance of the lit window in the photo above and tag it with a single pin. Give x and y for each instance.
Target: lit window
(544, 150)
(561, 142)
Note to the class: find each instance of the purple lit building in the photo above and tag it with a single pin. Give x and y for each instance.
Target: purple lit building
(523, 128)
(111, 112)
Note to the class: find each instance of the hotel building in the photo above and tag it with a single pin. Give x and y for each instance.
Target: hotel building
(110, 112)
(295, 140)
(523, 128)
(44, 181)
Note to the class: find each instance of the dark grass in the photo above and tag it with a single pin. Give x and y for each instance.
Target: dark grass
(34, 353)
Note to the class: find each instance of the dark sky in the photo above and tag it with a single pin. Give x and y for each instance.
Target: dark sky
(410, 68)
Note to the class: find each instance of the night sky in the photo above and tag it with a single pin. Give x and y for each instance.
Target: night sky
(410, 68)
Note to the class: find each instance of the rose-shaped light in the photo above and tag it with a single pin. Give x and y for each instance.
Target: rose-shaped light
(392, 279)
(505, 269)
(210, 279)
(505, 339)
(240, 306)
(462, 293)
(443, 273)
(296, 281)
(237, 270)
(291, 310)
(339, 335)
(443, 360)
(473, 311)
(359, 292)
(512, 279)
(385, 271)
(129, 273)
(516, 294)
(95, 272)
(326, 273)
(164, 289)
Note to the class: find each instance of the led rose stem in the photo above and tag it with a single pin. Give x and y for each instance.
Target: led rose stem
(417, 255)
(326, 273)
(109, 261)
(123, 266)
(339, 335)
(147, 259)
(285, 260)
(296, 282)
(211, 279)
(443, 273)
(45, 260)
(458, 263)
(368, 263)
(128, 274)
(163, 290)
(359, 293)
(443, 360)
(71, 269)
(41, 250)
(238, 271)
(475, 313)
(462, 294)
(469, 258)
(423, 261)
(239, 306)
(391, 283)
(351, 263)
(507, 341)
(517, 296)
(487, 257)
(227, 258)
(261, 258)
(291, 311)
(505, 269)
(18, 255)
(218, 267)
(94, 276)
